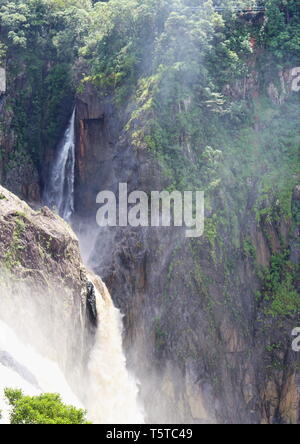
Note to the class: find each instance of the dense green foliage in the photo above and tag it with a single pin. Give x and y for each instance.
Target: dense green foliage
(43, 409)
(198, 86)
(193, 84)
(39, 42)
(175, 56)
(280, 287)
(281, 35)
(177, 61)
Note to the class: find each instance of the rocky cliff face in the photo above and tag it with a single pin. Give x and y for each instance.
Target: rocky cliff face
(44, 287)
(198, 327)
(101, 148)
(33, 116)
(17, 170)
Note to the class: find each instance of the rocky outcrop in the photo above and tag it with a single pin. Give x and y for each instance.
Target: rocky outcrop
(250, 86)
(45, 290)
(279, 92)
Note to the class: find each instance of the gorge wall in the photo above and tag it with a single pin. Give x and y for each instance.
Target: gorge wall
(208, 321)
(198, 331)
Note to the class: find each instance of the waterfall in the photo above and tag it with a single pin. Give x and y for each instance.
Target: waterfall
(113, 391)
(21, 367)
(59, 194)
(105, 387)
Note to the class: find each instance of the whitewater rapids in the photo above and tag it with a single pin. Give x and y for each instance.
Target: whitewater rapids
(114, 392)
(111, 393)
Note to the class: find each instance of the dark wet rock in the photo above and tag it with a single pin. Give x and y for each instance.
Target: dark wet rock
(91, 303)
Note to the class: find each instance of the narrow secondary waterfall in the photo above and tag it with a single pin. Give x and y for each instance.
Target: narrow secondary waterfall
(59, 194)
(21, 367)
(113, 391)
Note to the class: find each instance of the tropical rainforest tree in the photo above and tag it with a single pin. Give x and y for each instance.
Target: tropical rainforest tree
(43, 409)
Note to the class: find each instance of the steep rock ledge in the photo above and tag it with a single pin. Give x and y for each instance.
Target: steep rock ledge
(44, 283)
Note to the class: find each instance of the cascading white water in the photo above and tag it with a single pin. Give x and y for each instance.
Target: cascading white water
(21, 367)
(113, 392)
(59, 193)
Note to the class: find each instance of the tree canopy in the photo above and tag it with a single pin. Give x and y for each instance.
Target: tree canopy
(47, 408)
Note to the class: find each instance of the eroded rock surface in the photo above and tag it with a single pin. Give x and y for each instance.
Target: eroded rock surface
(44, 287)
